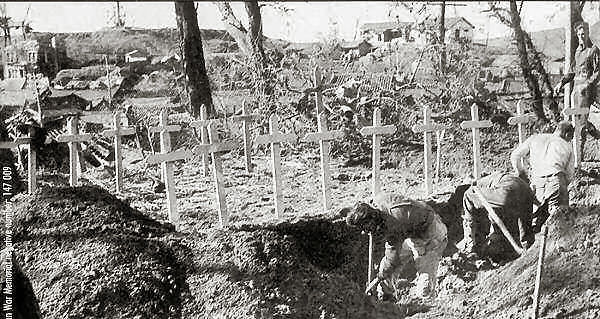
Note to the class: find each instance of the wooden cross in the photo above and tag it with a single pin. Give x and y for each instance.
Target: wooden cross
(324, 137)
(428, 128)
(214, 148)
(575, 113)
(166, 159)
(475, 124)
(275, 138)
(31, 158)
(246, 119)
(202, 125)
(520, 120)
(376, 131)
(117, 132)
(73, 139)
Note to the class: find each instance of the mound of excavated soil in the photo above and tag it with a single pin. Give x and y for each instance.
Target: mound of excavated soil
(570, 286)
(308, 268)
(89, 255)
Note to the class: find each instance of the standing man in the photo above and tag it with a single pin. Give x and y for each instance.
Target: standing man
(552, 166)
(585, 73)
(412, 230)
(512, 200)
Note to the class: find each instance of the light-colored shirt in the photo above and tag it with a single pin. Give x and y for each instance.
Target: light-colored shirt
(548, 154)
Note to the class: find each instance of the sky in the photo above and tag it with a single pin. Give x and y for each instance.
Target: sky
(306, 22)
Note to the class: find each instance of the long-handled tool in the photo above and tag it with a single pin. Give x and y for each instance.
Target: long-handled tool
(372, 285)
(540, 269)
(494, 217)
(370, 269)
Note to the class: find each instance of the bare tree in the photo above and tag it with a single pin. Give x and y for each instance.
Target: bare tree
(190, 42)
(250, 40)
(512, 18)
(5, 21)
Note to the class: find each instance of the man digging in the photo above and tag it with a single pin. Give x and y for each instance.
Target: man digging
(411, 230)
(552, 168)
(512, 200)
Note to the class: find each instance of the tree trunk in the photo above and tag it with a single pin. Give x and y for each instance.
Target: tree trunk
(443, 37)
(233, 26)
(532, 83)
(190, 42)
(255, 36)
(539, 67)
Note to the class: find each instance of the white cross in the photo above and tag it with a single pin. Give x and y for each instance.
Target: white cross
(376, 131)
(275, 138)
(117, 132)
(428, 128)
(475, 124)
(73, 140)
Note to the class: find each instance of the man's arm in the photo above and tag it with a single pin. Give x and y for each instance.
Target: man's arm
(391, 260)
(570, 169)
(595, 63)
(518, 154)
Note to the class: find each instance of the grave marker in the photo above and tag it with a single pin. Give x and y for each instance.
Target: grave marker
(246, 119)
(376, 131)
(324, 137)
(166, 159)
(117, 132)
(475, 124)
(575, 113)
(214, 148)
(202, 125)
(73, 139)
(275, 138)
(428, 128)
(520, 120)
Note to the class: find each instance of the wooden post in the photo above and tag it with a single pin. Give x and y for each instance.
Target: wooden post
(439, 137)
(275, 138)
(31, 163)
(117, 133)
(73, 139)
(246, 119)
(204, 137)
(427, 128)
(323, 137)
(202, 125)
(475, 124)
(575, 114)
(214, 148)
(540, 269)
(520, 120)
(376, 131)
(166, 159)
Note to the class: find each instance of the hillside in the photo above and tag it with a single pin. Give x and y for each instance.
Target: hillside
(84, 48)
(550, 42)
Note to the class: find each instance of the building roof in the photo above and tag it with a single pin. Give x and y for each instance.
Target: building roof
(382, 26)
(450, 22)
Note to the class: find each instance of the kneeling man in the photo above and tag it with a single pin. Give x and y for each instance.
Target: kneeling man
(412, 230)
(512, 200)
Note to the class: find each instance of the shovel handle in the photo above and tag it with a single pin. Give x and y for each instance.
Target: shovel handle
(371, 285)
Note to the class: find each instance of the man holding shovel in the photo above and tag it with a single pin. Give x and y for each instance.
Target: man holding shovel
(552, 168)
(412, 230)
(512, 201)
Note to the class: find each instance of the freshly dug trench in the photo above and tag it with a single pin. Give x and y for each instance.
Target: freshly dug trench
(310, 268)
(88, 254)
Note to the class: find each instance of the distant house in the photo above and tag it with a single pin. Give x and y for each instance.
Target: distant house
(362, 47)
(135, 56)
(385, 31)
(459, 29)
(20, 58)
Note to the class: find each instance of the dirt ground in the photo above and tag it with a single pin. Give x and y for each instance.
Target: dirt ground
(91, 254)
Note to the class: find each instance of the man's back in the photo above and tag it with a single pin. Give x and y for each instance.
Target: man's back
(549, 154)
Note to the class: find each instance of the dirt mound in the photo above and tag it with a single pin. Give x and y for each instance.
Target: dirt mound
(308, 268)
(88, 254)
(571, 283)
